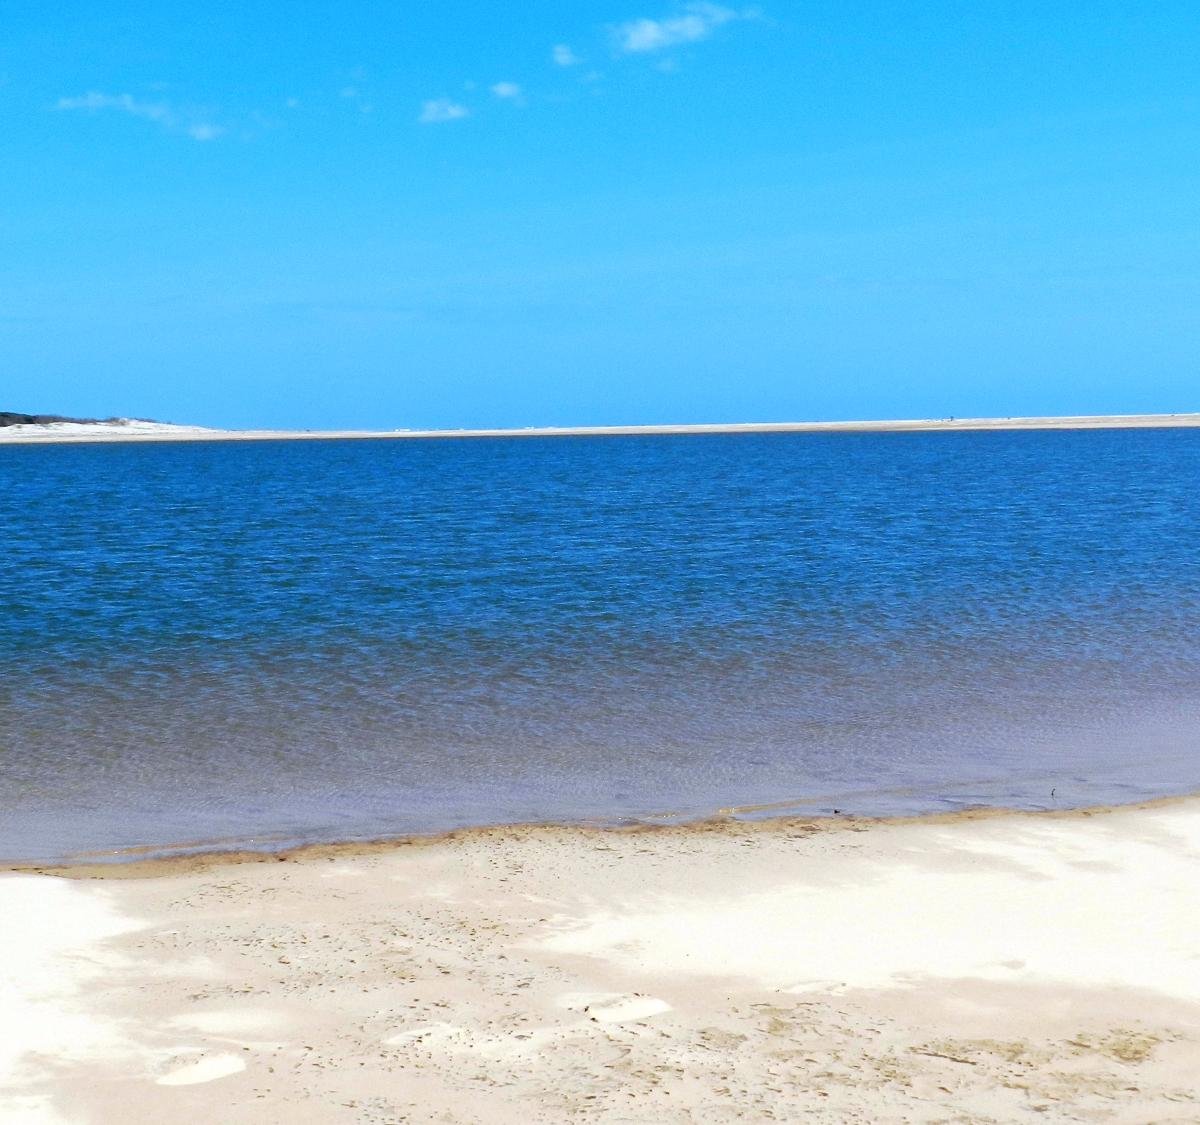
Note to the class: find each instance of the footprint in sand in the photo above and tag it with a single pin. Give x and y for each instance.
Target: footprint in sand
(427, 1035)
(612, 1007)
(818, 986)
(208, 1069)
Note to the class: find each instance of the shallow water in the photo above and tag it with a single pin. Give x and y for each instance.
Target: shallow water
(252, 642)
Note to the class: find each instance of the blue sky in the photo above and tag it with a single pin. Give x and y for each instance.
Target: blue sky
(360, 214)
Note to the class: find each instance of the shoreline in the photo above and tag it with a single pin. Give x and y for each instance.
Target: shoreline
(982, 966)
(60, 433)
(206, 857)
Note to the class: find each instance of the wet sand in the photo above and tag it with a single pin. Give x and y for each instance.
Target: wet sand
(157, 431)
(980, 967)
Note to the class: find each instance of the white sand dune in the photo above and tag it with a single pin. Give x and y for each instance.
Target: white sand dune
(987, 968)
(121, 429)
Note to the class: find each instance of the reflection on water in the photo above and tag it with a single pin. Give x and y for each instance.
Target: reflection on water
(335, 639)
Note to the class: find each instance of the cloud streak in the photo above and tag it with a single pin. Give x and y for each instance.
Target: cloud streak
(694, 23)
(438, 111)
(507, 91)
(127, 103)
(160, 113)
(564, 56)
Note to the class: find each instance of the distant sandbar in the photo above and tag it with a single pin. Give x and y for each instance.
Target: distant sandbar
(154, 431)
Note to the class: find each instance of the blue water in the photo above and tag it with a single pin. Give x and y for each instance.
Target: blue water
(217, 644)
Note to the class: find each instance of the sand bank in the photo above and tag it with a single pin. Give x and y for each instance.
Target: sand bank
(994, 968)
(157, 431)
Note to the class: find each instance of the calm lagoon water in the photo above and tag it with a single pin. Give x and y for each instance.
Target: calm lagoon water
(223, 644)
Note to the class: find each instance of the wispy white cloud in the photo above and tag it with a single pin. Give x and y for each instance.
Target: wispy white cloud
(440, 110)
(205, 132)
(693, 23)
(355, 91)
(127, 103)
(161, 113)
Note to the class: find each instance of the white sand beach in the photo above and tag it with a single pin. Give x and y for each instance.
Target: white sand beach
(124, 429)
(135, 430)
(982, 968)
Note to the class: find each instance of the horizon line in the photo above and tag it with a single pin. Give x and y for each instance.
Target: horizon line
(133, 429)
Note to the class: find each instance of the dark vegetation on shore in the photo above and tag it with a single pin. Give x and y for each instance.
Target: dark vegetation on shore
(8, 418)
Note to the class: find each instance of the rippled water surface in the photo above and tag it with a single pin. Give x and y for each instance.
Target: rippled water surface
(242, 642)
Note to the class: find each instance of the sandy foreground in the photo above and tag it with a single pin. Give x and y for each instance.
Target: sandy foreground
(975, 968)
(137, 430)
